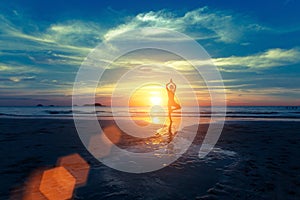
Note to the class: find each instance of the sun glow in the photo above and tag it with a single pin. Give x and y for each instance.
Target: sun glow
(149, 95)
(155, 100)
(152, 100)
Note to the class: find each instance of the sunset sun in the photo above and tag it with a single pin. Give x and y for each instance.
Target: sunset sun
(155, 100)
(148, 96)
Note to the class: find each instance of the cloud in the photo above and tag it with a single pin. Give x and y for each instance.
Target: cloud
(271, 91)
(201, 23)
(36, 49)
(4, 68)
(71, 36)
(270, 58)
(64, 43)
(75, 33)
(22, 78)
(67, 43)
(15, 68)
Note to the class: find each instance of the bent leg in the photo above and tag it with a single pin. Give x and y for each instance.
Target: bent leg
(177, 106)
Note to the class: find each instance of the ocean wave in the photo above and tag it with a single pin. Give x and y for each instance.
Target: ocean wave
(204, 112)
(6, 114)
(56, 112)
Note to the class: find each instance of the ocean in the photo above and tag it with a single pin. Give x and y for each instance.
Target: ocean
(233, 112)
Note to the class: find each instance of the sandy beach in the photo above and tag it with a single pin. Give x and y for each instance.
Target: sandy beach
(252, 160)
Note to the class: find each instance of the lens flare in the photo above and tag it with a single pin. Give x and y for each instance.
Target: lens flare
(57, 183)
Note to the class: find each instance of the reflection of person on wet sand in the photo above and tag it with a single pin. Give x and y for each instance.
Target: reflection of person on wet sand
(172, 105)
(170, 132)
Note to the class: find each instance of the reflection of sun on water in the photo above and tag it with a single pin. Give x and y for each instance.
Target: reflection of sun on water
(157, 114)
(156, 120)
(156, 110)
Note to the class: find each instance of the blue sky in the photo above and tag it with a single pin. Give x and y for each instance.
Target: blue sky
(254, 44)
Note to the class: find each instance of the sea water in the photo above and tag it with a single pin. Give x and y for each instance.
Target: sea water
(235, 112)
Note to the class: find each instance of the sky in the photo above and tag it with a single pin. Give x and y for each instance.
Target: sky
(254, 44)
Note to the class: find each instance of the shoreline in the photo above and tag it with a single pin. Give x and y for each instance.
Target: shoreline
(206, 119)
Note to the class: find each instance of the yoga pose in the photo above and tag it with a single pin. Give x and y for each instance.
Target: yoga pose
(172, 105)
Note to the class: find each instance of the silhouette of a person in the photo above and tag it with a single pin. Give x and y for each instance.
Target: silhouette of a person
(172, 105)
(170, 131)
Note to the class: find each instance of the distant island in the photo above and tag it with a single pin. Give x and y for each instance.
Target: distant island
(95, 104)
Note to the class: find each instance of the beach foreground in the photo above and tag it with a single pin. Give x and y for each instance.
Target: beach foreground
(252, 160)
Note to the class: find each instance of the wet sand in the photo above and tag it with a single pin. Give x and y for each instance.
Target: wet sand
(252, 160)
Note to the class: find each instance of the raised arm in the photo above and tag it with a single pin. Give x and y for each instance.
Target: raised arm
(167, 86)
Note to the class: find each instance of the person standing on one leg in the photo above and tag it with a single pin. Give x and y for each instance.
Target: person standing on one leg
(172, 105)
